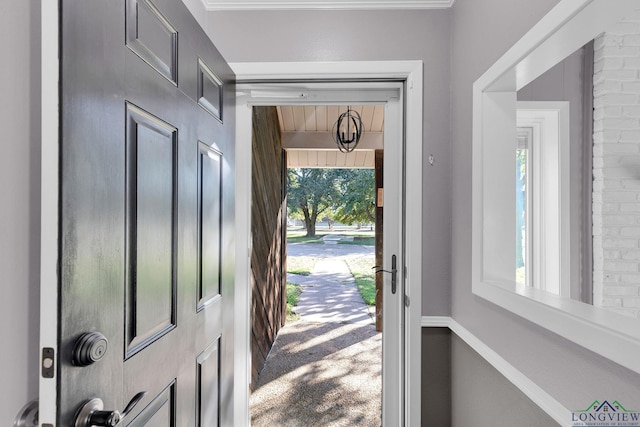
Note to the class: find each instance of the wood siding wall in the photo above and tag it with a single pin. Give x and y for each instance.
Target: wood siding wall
(268, 227)
(379, 177)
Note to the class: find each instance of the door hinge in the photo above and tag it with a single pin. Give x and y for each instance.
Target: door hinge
(407, 301)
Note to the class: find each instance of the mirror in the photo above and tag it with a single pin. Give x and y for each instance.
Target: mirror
(557, 119)
(554, 117)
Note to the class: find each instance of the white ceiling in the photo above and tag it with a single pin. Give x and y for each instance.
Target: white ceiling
(325, 4)
(307, 136)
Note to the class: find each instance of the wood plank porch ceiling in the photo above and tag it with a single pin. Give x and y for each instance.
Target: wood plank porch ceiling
(306, 134)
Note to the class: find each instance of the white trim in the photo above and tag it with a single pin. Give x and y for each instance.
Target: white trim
(411, 71)
(544, 400)
(325, 4)
(435, 322)
(49, 205)
(566, 28)
(551, 193)
(364, 70)
(413, 235)
(242, 330)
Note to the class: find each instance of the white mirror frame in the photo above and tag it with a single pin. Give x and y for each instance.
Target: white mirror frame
(566, 28)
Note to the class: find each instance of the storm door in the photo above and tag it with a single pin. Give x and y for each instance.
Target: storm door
(395, 410)
(146, 218)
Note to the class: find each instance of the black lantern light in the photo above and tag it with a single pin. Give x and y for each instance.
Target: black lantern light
(347, 130)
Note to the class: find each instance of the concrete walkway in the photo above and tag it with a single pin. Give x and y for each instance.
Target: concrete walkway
(325, 368)
(330, 295)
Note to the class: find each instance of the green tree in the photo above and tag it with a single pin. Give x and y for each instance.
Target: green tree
(358, 201)
(344, 195)
(312, 192)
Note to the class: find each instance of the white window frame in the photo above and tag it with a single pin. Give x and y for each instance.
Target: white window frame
(549, 223)
(527, 133)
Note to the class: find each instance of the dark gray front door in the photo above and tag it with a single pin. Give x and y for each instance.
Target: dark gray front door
(146, 215)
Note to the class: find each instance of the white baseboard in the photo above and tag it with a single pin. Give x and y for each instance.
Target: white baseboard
(544, 400)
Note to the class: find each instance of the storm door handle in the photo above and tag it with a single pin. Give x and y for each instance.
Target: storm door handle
(393, 272)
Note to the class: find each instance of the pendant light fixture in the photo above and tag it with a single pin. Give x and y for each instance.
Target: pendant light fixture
(347, 130)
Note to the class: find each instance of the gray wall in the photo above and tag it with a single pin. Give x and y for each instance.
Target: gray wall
(482, 396)
(461, 389)
(369, 35)
(436, 377)
(481, 32)
(20, 212)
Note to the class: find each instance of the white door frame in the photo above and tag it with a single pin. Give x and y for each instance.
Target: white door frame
(411, 73)
(49, 208)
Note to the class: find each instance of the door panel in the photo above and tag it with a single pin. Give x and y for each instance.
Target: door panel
(160, 412)
(209, 193)
(209, 90)
(151, 229)
(146, 213)
(152, 37)
(208, 387)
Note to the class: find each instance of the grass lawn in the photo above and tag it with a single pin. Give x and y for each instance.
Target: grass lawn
(357, 240)
(364, 275)
(301, 238)
(360, 240)
(297, 265)
(360, 237)
(300, 264)
(360, 267)
(293, 295)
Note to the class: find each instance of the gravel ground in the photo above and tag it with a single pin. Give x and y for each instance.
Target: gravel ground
(323, 370)
(320, 374)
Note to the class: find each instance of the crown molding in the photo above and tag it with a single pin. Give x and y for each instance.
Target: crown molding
(220, 5)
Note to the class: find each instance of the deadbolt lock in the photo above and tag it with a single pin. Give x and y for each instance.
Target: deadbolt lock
(89, 348)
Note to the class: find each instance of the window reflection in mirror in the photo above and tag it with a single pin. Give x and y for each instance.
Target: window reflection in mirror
(542, 177)
(600, 82)
(557, 231)
(523, 206)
